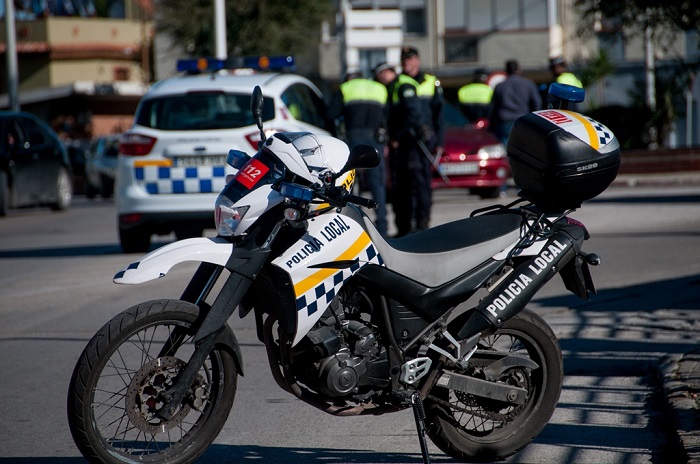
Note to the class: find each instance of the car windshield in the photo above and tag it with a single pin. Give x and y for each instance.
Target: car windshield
(200, 111)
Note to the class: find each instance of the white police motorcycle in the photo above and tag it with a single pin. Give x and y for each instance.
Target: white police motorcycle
(352, 323)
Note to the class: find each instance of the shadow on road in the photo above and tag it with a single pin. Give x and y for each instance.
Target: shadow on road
(634, 323)
(690, 198)
(63, 252)
(235, 454)
(230, 453)
(72, 251)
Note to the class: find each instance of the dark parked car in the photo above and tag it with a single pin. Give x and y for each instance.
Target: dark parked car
(473, 158)
(34, 165)
(101, 166)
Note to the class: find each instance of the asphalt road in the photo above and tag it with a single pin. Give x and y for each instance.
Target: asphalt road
(56, 290)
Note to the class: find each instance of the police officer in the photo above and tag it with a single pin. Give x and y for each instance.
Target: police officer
(361, 103)
(559, 69)
(429, 91)
(409, 126)
(561, 74)
(474, 98)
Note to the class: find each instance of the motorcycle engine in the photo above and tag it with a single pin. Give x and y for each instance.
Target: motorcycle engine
(347, 357)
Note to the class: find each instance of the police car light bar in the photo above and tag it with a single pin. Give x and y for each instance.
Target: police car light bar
(256, 63)
(200, 65)
(269, 63)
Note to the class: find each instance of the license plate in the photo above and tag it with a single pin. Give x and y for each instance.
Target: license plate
(458, 168)
(201, 160)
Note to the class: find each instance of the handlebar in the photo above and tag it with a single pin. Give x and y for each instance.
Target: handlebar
(340, 197)
(361, 201)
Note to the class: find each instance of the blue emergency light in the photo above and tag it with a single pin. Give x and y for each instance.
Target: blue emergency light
(256, 63)
(200, 65)
(269, 63)
(296, 192)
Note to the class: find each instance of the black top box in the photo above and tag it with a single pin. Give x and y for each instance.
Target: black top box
(561, 158)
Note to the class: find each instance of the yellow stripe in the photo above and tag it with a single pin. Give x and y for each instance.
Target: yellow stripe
(314, 279)
(592, 134)
(162, 163)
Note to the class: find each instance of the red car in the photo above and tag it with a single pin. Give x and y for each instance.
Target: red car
(473, 157)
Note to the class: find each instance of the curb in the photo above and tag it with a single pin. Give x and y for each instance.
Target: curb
(680, 378)
(658, 180)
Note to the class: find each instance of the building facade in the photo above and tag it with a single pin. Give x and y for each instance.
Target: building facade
(456, 37)
(91, 70)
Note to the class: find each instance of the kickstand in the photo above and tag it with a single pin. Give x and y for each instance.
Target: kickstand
(419, 414)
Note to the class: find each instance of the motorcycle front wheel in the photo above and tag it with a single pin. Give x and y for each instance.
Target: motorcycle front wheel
(115, 391)
(475, 429)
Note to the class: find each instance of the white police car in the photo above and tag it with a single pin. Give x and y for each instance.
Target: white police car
(172, 162)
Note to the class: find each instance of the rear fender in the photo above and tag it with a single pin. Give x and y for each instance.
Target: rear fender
(157, 263)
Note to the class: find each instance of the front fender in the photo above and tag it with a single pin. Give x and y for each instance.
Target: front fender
(158, 262)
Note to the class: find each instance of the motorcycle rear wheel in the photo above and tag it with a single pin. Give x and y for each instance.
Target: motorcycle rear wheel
(113, 397)
(479, 430)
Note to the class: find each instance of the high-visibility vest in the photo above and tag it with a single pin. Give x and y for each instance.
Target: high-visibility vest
(426, 89)
(402, 79)
(476, 92)
(570, 79)
(363, 91)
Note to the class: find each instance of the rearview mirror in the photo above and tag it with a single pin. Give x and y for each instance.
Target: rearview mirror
(361, 157)
(256, 107)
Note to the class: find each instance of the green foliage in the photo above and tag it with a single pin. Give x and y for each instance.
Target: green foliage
(253, 27)
(664, 17)
(596, 69)
(670, 99)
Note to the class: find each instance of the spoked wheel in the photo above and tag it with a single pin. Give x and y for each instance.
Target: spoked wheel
(116, 389)
(477, 429)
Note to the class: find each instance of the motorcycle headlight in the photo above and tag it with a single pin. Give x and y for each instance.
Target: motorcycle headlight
(226, 216)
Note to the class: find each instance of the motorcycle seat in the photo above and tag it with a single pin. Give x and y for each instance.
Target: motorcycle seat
(440, 254)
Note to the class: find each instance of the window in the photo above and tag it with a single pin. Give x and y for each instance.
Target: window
(200, 111)
(34, 133)
(460, 49)
(507, 15)
(479, 16)
(468, 20)
(414, 21)
(304, 105)
(455, 14)
(370, 57)
(475, 16)
(415, 16)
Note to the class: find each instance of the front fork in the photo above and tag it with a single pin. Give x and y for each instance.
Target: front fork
(245, 262)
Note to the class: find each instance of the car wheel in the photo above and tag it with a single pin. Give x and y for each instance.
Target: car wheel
(107, 186)
(487, 192)
(90, 190)
(4, 194)
(134, 240)
(64, 190)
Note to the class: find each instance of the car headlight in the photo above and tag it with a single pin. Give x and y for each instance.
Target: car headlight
(226, 216)
(491, 151)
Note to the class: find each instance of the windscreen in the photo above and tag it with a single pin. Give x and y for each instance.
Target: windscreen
(200, 111)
